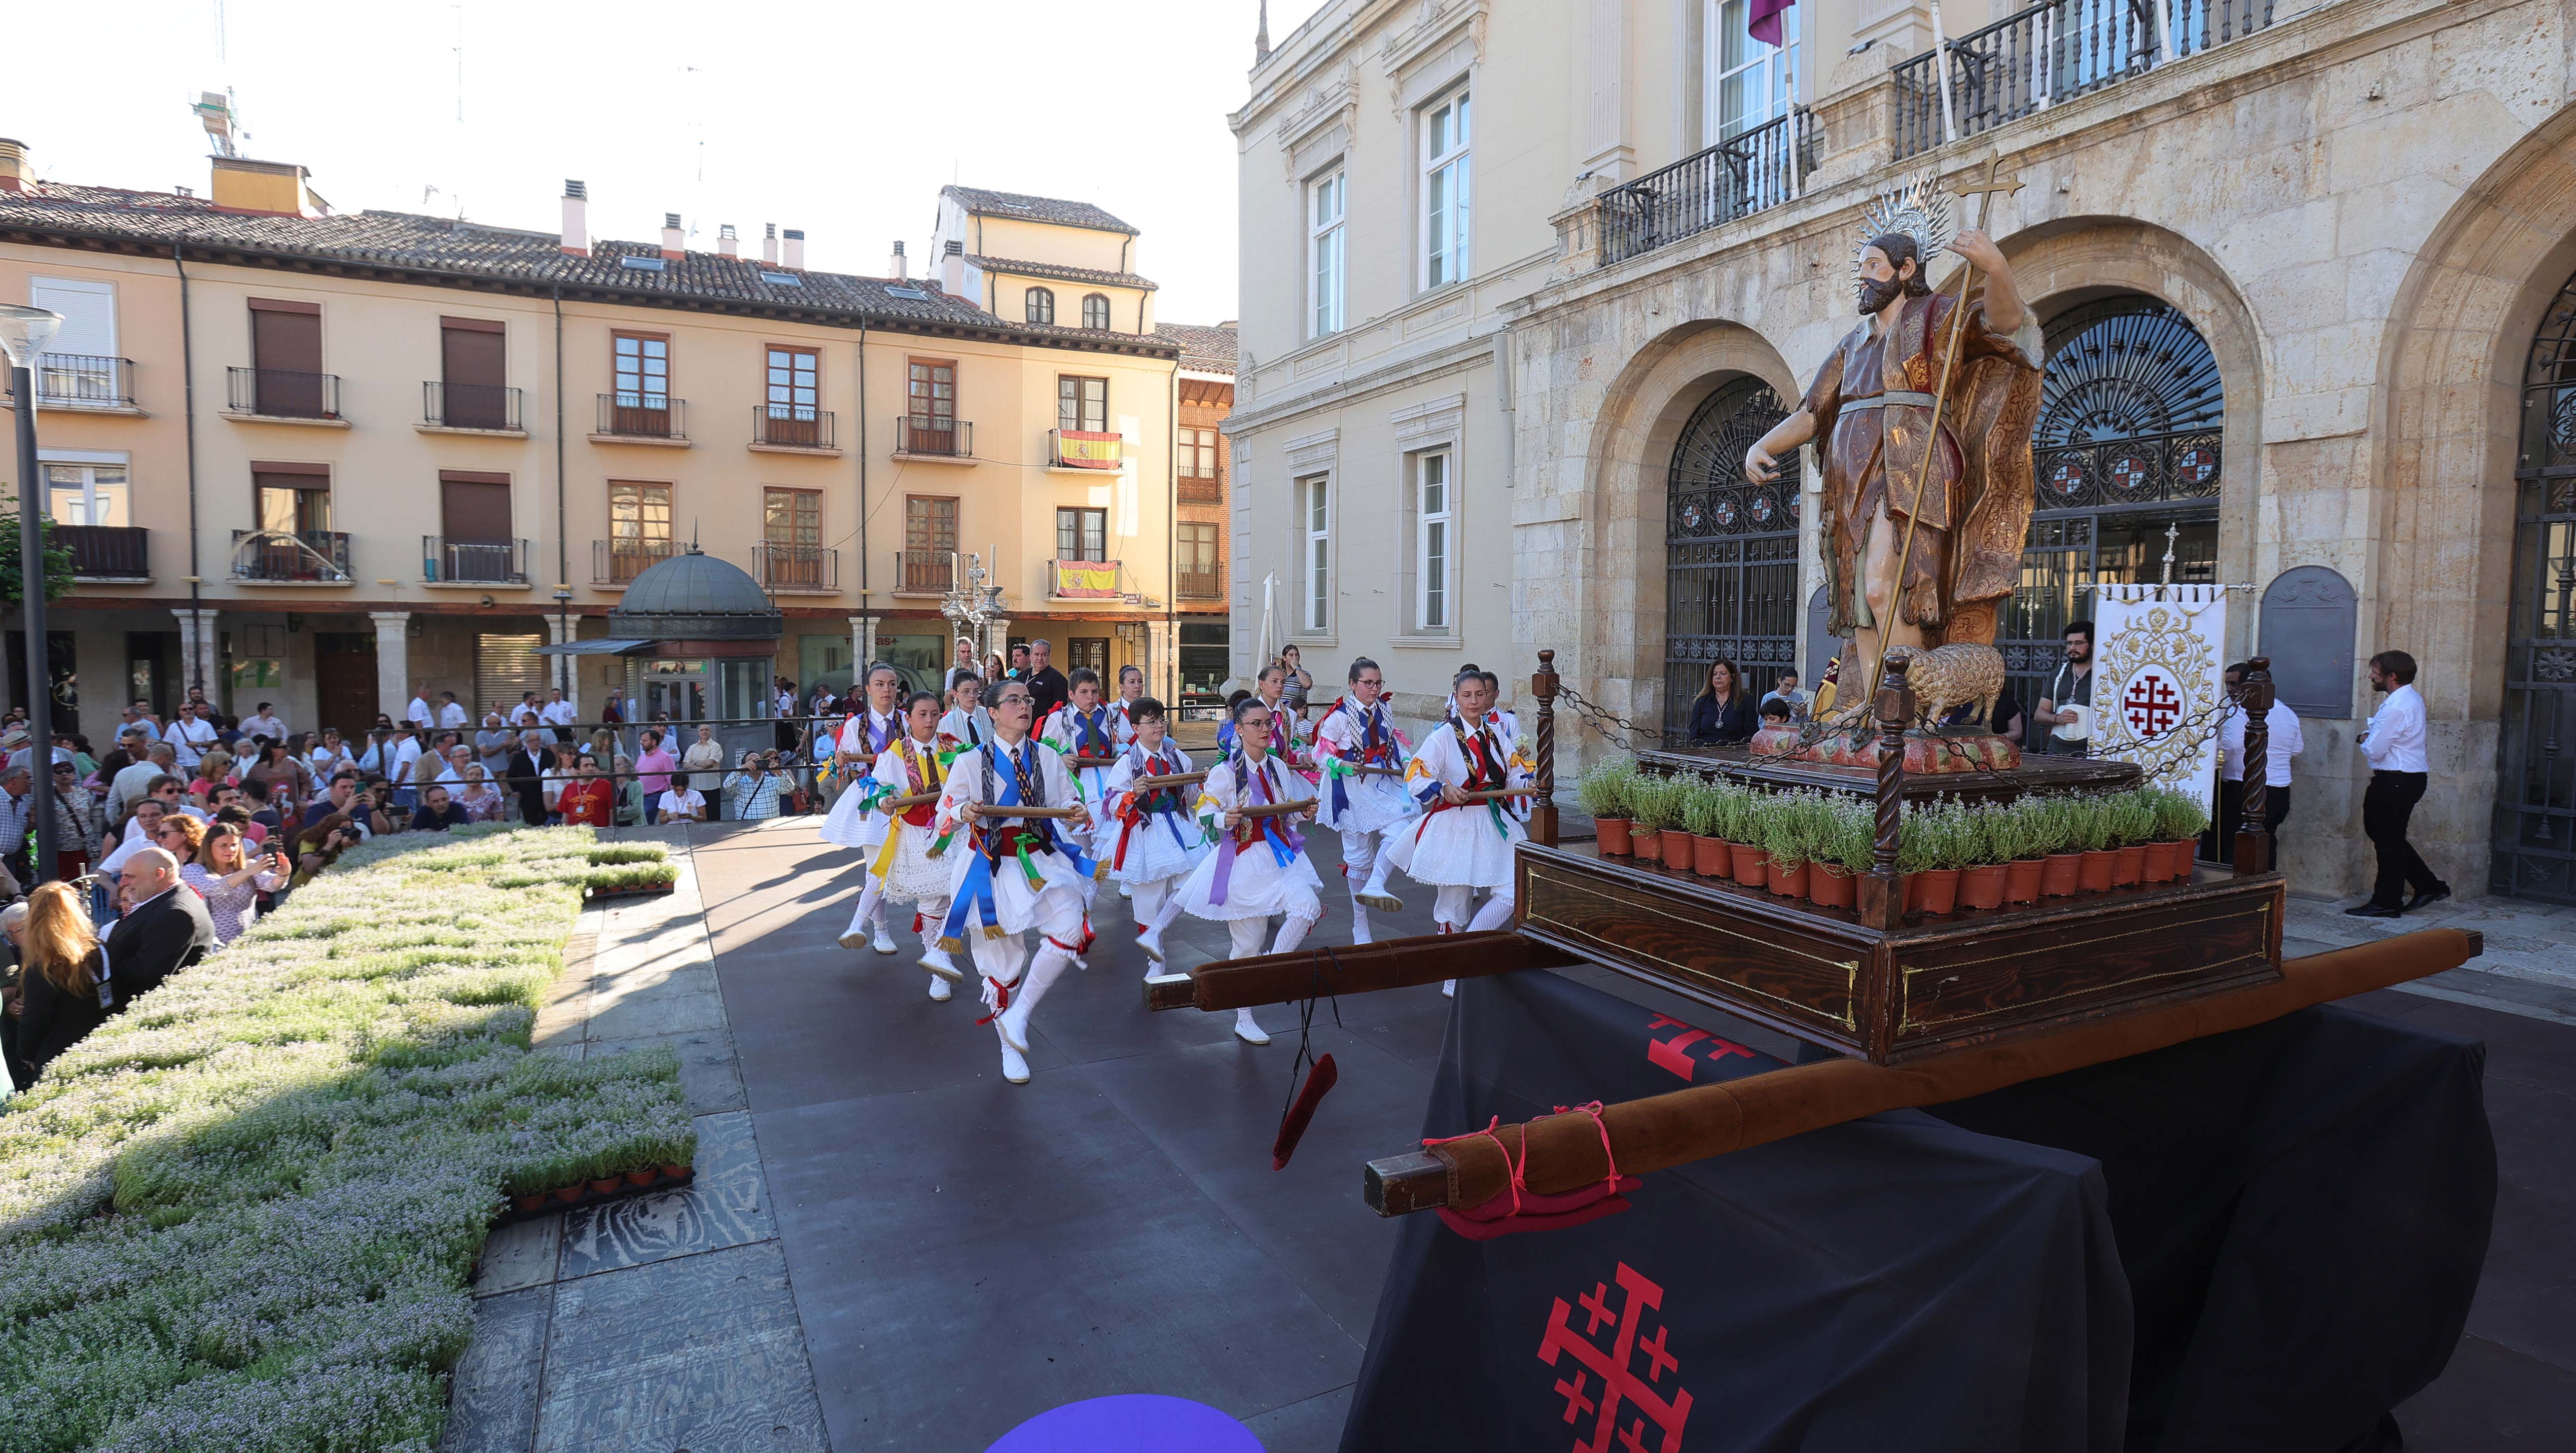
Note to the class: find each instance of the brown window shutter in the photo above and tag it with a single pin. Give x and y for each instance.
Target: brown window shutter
(286, 342)
(473, 510)
(473, 356)
(281, 305)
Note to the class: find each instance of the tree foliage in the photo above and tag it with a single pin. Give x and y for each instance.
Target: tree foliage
(58, 561)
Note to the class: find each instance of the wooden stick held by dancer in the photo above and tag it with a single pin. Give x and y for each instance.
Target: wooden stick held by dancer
(1156, 784)
(990, 809)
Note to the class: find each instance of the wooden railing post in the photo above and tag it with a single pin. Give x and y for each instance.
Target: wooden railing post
(2252, 850)
(1881, 899)
(1542, 818)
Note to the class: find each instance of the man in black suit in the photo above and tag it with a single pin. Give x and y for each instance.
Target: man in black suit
(165, 930)
(528, 768)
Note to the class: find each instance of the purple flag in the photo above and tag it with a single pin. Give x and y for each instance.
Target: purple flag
(1763, 22)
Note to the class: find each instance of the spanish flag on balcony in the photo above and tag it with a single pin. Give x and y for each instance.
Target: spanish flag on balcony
(1086, 579)
(1076, 449)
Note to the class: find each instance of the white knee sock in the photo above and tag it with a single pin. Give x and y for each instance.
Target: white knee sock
(1246, 934)
(871, 908)
(1292, 933)
(933, 912)
(1150, 898)
(1496, 913)
(1359, 919)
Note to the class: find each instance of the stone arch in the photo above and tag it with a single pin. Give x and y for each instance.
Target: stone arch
(1641, 418)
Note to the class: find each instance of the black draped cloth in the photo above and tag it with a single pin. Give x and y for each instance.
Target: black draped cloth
(2262, 1240)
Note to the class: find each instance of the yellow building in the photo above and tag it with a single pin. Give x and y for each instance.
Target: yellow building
(319, 459)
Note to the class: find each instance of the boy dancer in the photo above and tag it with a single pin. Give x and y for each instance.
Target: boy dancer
(1151, 837)
(1363, 805)
(1462, 844)
(1013, 873)
(910, 868)
(1085, 729)
(853, 821)
(967, 724)
(1259, 867)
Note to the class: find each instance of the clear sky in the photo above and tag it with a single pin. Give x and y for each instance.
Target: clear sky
(843, 119)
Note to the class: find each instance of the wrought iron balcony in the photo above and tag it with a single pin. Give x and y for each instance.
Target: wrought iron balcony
(1202, 489)
(615, 562)
(643, 416)
(107, 552)
(934, 438)
(2035, 58)
(289, 557)
(448, 560)
(279, 393)
(925, 572)
(1737, 177)
(81, 381)
(469, 406)
(791, 426)
(796, 567)
(1208, 586)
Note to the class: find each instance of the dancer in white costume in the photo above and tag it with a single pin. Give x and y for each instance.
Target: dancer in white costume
(1461, 844)
(1285, 734)
(911, 867)
(1153, 838)
(1259, 867)
(1013, 873)
(852, 822)
(1363, 795)
(1131, 689)
(967, 723)
(1089, 735)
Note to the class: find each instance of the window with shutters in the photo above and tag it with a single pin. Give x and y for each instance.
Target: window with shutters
(286, 361)
(792, 536)
(506, 668)
(1197, 562)
(930, 408)
(474, 541)
(474, 375)
(1194, 453)
(1039, 305)
(639, 527)
(1082, 404)
(792, 406)
(1095, 310)
(1082, 534)
(929, 543)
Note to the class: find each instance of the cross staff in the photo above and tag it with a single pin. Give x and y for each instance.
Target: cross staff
(1984, 192)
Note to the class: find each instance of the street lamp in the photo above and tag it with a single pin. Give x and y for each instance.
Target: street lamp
(24, 332)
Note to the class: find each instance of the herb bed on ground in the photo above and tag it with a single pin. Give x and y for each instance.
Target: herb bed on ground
(241, 1214)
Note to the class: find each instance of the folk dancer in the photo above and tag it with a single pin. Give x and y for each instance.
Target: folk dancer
(1505, 723)
(1286, 741)
(1462, 844)
(1017, 873)
(1131, 689)
(1259, 867)
(911, 867)
(854, 821)
(1084, 727)
(1356, 734)
(1152, 837)
(967, 724)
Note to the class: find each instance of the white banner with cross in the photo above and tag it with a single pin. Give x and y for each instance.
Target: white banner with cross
(2157, 683)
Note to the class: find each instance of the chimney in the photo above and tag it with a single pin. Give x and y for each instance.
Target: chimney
(727, 243)
(896, 267)
(576, 217)
(275, 187)
(795, 251)
(673, 243)
(17, 176)
(769, 245)
(952, 268)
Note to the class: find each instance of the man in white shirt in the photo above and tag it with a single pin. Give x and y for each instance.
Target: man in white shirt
(2283, 742)
(2394, 743)
(1787, 690)
(139, 715)
(559, 714)
(266, 724)
(525, 714)
(458, 757)
(189, 735)
(451, 715)
(420, 713)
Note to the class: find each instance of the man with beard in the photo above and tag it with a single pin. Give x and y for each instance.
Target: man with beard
(2068, 706)
(1953, 529)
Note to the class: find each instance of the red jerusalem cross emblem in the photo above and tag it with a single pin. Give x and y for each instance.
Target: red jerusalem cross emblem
(2151, 703)
(1622, 1403)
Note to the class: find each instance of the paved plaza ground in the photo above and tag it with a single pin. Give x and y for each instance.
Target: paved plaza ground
(891, 1247)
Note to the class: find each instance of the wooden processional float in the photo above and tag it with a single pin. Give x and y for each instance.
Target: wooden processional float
(1919, 1009)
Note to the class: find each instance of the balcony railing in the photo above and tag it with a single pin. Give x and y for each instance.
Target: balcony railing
(107, 552)
(1202, 489)
(82, 381)
(615, 562)
(303, 555)
(791, 426)
(935, 438)
(476, 562)
(1735, 178)
(2054, 52)
(1085, 579)
(796, 567)
(643, 416)
(1201, 587)
(280, 393)
(469, 406)
(925, 572)
(1083, 449)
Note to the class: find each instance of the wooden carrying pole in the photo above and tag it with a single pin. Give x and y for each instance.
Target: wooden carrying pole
(1396, 963)
(2252, 851)
(1565, 1152)
(1880, 894)
(1542, 817)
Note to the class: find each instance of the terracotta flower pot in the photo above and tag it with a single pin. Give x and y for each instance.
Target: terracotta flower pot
(1829, 887)
(645, 1177)
(675, 1172)
(2128, 865)
(1678, 855)
(1788, 880)
(1613, 839)
(1646, 845)
(2185, 853)
(2022, 878)
(2093, 873)
(1750, 863)
(606, 1185)
(2058, 874)
(1708, 857)
(1940, 890)
(566, 1195)
(1982, 887)
(529, 1203)
(2159, 866)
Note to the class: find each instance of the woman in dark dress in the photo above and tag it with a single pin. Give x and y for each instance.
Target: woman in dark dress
(59, 989)
(1723, 715)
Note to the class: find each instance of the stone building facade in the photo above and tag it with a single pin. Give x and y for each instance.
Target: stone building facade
(2357, 222)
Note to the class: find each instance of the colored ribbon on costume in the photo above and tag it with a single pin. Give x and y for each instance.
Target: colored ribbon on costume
(1482, 775)
(1285, 842)
(975, 893)
(1369, 751)
(922, 775)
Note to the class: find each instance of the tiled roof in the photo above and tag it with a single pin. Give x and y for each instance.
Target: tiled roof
(1035, 209)
(1209, 350)
(1026, 268)
(443, 247)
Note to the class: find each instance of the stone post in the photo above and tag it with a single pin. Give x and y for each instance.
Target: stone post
(393, 661)
(561, 629)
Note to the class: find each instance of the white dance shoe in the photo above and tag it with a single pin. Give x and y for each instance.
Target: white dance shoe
(1246, 1030)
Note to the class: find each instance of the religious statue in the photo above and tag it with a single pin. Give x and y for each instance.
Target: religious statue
(1922, 542)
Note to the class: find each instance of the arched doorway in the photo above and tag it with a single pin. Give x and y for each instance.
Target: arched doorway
(2535, 809)
(1730, 551)
(2126, 448)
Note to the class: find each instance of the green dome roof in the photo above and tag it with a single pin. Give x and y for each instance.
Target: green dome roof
(695, 596)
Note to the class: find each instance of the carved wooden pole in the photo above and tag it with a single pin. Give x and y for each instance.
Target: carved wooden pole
(1542, 818)
(2252, 850)
(1881, 901)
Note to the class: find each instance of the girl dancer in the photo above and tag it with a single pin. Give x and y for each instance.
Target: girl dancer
(967, 724)
(1364, 797)
(1259, 867)
(1462, 843)
(1085, 729)
(853, 821)
(910, 867)
(1151, 837)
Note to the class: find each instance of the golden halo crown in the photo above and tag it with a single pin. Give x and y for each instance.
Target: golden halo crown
(1916, 207)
